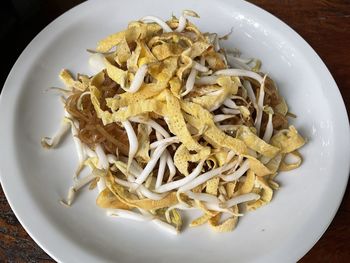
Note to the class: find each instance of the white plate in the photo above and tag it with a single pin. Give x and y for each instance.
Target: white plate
(35, 179)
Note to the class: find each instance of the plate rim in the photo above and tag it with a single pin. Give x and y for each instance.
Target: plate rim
(6, 92)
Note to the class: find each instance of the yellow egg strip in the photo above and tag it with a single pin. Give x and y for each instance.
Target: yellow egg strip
(274, 164)
(150, 105)
(291, 166)
(70, 82)
(116, 74)
(200, 220)
(212, 134)
(257, 167)
(123, 53)
(145, 92)
(257, 144)
(146, 55)
(230, 188)
(221, 157)
(212, 186)
(182, 156)
(135, 31)
(248, 184)
(166, 50)
(265, 192)
(288, 140)
(142, 154)
(218, 138)
(95, 96)
(177, 124)
(227, 225)
(106, 199)
(129, 199)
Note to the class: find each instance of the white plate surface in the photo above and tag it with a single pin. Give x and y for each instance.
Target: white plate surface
(35, 179)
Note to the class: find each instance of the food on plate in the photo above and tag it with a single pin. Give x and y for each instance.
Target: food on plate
(171, 121)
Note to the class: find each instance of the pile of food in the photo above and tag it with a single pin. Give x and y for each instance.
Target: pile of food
(171, 122)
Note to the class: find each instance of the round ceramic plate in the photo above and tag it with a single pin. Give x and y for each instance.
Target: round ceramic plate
(35, 179)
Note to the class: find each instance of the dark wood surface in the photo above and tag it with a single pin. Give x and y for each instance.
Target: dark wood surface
(325, 25)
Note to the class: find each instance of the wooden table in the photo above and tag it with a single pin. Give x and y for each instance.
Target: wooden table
(325, 25)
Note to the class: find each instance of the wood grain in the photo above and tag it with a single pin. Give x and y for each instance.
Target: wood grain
(325, 25)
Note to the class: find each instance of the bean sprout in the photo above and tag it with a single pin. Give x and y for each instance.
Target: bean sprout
(240, 199)
(157, 20)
